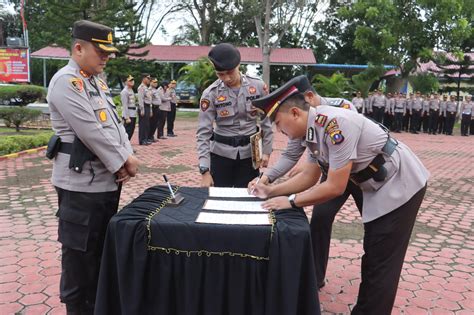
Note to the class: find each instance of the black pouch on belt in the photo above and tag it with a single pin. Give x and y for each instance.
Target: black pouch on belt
(79, 155)
(53, 147)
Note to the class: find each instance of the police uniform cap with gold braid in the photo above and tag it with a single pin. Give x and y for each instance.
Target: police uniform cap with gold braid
(269, 104)
(96, 33)
(224, 57)
(130, 78)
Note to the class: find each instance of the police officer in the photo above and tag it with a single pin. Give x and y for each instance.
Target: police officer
(144, 103)
(155, 108)
(84, 117)
(399, 109)
(166, 97)
(391, 177)
(358, 102)
(129, 109)
(466, 114)
(378, 106)
(451, 114)
(225, 152)
(434, 114)
(441, 125)
(323, 214)
(367, 110)
(388, 111)
(415, 106)
(425, 113)
(172, 113)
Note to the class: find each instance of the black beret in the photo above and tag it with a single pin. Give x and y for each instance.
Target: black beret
(96, 33)
(269, 104)
(224, 57)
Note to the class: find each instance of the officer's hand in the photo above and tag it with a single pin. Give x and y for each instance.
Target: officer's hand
(261, 190)
(128, 120)
(264, 180)
(131, 165)
(122, 176)
(277, 203)
(265, 160)
(207, 180)
(295, 170)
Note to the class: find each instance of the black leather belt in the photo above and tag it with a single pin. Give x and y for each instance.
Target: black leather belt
(132, 108)
(235, 141)
(65, 147)
(375, 169)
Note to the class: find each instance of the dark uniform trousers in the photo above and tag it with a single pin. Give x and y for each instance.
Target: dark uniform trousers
(388, 121)
(398, 121)
(232, 173)
(406, 120)
(170, 119)
(472, 126)
(450, 119)
(83, 219)
(465, 123)
(153, 121)
(321, 226)
(378, 113)
(385, 244)
(415, 120)
(426, 122)
(130, 128)
(161, 122)
(144, 125)
(441, 126)
(434, 115)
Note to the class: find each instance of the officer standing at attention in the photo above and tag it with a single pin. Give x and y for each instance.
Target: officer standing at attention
(94, 158)
(451, 114)
(155, 109)
(129, 109)
(391, 177)
(358, 102)
(367, 110)
(165, 95)
(426, 112)
(144, 103)
(172, 113)
(399, 109)
(378, 106)
(323, 214)
(415, 106)
(225, 151)
(466, 111)
(434, 114)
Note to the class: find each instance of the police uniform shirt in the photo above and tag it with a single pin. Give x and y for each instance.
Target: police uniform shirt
(165, 99)
(451, 107)
(358, 102)
(378, 101)
(390, 104)
(367, 105)
(129, 109)
(155, 97)
(416, 104)
(442, 108)
(296, 147)
(466, 108)
(426, 106)
(233, 115)
(335, 137)
(78, 108)
(434, 104)
(400, 106)
(144, 97)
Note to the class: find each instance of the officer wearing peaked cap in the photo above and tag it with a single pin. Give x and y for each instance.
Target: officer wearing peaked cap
(92, 158)
(391, 177)
(225, 152)
(323, 214)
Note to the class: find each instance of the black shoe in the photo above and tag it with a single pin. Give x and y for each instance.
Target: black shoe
(145, 143)
(152, 140)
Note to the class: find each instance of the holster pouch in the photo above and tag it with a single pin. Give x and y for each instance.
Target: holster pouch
(79, 155)
(54, 145)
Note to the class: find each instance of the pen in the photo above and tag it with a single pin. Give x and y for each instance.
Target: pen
(256, 183)
(169, 187)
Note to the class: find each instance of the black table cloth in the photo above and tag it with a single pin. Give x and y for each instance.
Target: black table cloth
(157, 260)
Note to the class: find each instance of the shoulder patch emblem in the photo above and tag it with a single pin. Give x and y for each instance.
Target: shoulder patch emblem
(103, 116)
(103, 86)
(204, 104)
(320, 120)
(332, 126)
(221, 98)
(310, 134)
(336, 137)
(77, 84)
(252, 90)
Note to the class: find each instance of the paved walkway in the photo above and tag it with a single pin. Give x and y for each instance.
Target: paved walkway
(437, 277)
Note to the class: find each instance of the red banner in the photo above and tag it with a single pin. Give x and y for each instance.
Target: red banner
(14, 65)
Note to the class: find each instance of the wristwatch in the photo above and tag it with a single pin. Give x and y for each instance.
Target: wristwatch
(203, 170)
(291, 199)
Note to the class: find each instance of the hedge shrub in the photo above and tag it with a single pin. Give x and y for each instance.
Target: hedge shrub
(11, 144)
(21, 94)
(17, 116)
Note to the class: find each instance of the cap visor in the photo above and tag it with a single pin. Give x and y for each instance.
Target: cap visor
(107, 48)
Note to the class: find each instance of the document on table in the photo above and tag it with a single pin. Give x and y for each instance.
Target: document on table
(234, 218)
(227, 192)
(229, 205)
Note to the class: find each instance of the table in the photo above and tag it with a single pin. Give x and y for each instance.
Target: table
(157, 260)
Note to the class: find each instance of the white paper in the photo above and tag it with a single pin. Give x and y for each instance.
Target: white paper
(229, 205)
(227, 192)
(234, 218)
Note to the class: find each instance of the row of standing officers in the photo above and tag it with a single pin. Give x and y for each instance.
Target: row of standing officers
(431, 113)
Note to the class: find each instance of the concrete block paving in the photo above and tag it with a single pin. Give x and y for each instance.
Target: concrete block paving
(437, 276)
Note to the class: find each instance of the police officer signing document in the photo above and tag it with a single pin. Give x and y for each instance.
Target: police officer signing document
(391, 177)
(92, 158)
(225, 153)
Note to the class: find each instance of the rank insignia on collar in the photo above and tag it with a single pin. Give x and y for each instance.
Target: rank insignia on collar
(103, 116)
(204, 104)
(310, 134)
(221, 98)
(83, 73)
(320, 120)
(252, 90)
(77, 84)
(336, 137)
(102, 85)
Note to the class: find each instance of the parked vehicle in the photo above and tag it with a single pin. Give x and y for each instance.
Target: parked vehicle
(187, 94)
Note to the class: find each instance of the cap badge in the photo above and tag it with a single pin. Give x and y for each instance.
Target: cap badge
(109, 37)
(77, 84)
(204, 104)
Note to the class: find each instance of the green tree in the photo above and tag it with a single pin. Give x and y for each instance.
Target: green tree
(335, 86)
(364, 80)
(200, 73)
(424, 82)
